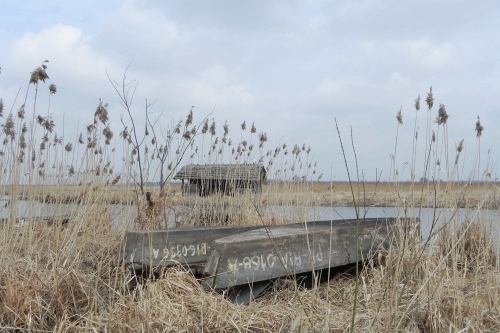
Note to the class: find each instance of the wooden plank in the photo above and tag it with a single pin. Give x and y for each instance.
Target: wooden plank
(265, 254)
(166, 247)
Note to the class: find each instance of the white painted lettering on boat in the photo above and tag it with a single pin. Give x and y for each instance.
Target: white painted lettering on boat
(292, 259)
(255, 262)
(265, 261)
(182, 251)
(317, 255)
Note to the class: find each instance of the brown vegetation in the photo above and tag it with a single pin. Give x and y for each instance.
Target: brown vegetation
(337, 194)
(64, 277)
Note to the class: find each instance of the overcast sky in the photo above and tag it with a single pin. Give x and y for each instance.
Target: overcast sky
(291, 67)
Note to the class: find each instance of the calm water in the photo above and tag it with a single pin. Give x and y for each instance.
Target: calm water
(123, 216)
(120, 215)
(442, 215)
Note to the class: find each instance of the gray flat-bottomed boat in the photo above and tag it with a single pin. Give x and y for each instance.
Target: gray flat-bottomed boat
(252, 256)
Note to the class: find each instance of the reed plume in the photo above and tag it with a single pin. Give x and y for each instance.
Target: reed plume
(399, 117)
(212, 128)
(108, 134)
(8, 127)
(479, 128)
(442, 117)
(429, 99)
(52, 88)
(39, 74)
(101, 113)
(21, 112)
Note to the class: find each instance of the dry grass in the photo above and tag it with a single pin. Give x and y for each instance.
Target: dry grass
(385, 194)
(380, 194)
(63, 279)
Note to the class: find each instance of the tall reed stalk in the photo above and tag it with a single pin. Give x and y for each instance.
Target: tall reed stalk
(63, 276)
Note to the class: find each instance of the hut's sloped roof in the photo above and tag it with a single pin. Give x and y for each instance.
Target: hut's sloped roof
(222, 171)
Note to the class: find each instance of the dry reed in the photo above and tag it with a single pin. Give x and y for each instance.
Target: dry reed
(63, 277)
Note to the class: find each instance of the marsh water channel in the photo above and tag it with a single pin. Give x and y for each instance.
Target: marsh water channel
(122, 216)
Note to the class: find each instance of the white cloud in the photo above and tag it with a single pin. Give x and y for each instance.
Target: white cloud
(329, 87)
(357, 8)
(415, 55)
(398, 78)
(75, 62)
(141, 33)
(423, 53)
(216, 86)
(289, 66)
